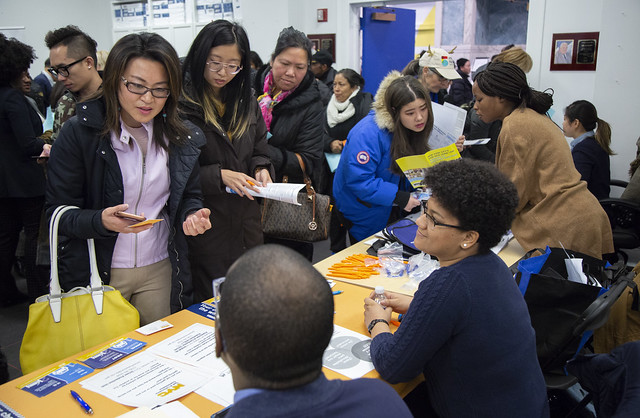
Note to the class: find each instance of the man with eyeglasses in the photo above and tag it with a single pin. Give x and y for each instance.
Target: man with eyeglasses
(438, 71)
(73, 61)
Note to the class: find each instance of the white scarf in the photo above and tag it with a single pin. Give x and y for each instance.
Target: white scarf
(339, 112)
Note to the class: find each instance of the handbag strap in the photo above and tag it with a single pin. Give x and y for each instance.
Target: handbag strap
(311, 193)
(55, 292)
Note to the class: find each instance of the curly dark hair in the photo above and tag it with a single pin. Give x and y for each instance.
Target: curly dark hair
(15, 58)
(78, 43)
(477, 194)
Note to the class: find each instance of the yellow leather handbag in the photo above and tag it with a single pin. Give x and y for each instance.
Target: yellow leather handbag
(62, 324)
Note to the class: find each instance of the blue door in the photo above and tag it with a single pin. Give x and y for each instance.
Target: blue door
(386, 44)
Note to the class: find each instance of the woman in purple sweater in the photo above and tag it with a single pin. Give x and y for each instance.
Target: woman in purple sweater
(467, 328)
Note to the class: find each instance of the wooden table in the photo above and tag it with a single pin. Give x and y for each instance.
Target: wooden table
(349, 314)
(509, 254)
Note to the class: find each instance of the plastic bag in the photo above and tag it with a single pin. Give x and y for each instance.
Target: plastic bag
(391, 261)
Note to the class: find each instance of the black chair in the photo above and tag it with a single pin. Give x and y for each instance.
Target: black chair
(595, 316)
(624, 216)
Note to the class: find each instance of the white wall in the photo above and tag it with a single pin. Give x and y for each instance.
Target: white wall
(613, 87)
(39, 17)
(263, 21)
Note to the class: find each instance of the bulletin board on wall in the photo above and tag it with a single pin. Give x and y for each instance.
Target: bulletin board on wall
(574, 51)
(326, 41)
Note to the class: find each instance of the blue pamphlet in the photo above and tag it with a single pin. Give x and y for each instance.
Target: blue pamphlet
(108, 355)
(204, 309)
(54, 379)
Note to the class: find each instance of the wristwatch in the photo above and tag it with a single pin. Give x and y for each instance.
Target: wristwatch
(374, 322)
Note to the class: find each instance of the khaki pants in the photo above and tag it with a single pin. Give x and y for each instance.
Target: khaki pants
(148, 288)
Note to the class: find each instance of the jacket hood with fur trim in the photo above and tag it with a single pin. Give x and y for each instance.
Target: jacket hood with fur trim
(383, 118)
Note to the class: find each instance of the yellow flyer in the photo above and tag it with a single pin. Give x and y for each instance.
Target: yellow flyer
(413, 166)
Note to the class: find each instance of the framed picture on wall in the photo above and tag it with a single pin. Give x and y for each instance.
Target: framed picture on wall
(574, 51)
(325, 41)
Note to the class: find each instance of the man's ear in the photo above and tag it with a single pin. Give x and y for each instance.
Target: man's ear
(219, 342)
(91, 63)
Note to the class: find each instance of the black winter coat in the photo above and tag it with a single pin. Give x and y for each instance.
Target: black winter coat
(20, 126)
(235, 220)
(460, 91)
(362, 102)
(296, 127)
(83, 171)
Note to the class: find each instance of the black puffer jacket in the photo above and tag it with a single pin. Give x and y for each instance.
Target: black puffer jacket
(296, 127)
(235, 220)
(83, 171)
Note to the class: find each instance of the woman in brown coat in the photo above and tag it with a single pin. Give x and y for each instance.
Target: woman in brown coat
(218, 100)
(555, 206)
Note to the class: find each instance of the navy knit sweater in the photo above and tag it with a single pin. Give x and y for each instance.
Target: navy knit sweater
(468, 330)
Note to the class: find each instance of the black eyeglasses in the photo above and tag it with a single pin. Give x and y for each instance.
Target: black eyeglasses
(215, 66)
(63, 70)
(135, 88)
(217, 289)
(435, 223)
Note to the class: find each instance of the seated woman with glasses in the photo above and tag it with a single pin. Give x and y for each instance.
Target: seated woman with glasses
(127, 151)
(467, 328)
(218, 99)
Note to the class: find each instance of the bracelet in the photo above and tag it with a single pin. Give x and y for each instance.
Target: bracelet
(374, 322)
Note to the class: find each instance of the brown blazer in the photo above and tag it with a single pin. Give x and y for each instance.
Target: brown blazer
(555, 206)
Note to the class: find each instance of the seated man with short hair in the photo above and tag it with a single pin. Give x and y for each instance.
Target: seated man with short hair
(275, 321)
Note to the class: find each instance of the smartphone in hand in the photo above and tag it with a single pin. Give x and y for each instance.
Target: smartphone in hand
(131, 216)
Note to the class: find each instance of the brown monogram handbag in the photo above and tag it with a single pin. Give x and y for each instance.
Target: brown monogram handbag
(308, 222)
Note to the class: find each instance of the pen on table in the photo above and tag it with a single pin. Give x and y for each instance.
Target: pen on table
(337, 292)
(83, 404)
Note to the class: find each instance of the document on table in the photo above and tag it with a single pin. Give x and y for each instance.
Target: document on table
(284, 192)
(146, 380)
(167, 371)
(196, 346)
(348, 353)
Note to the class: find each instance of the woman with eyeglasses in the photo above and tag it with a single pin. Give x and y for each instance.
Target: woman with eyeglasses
(22, 182)
(467, 328)
(217, 98)
(126, 151)
(291, 105)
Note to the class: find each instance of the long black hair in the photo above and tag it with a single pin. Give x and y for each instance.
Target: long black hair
(508, 81)
(236, 94)
(405, 142)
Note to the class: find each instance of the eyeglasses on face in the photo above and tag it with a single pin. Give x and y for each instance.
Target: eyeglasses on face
(63, 70)
(217, 289)
(135, 88)
(215, 66)
(432, 221)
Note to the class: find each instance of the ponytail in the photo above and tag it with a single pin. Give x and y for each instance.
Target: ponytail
(585, 112)
(603, 136)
